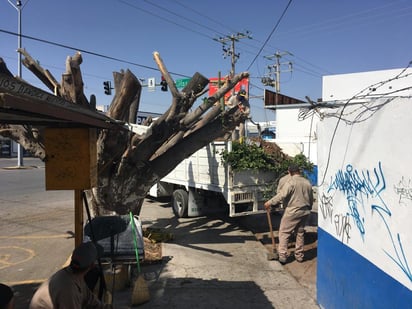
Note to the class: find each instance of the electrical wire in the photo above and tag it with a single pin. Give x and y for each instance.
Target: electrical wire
(270, 35)
(199, 24)
(337, 22)
(203, 15)
(181, 16)
(88, 52)
(242, 43)
(164, 19)
(307, 72)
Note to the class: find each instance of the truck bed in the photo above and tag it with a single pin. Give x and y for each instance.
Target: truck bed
(204, 170)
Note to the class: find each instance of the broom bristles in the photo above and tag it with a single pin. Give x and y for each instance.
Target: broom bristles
(140, 291)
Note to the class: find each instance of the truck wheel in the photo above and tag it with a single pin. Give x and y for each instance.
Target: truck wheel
(180, 203)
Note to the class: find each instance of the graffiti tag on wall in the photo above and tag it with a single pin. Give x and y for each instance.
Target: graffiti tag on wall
(363, 190)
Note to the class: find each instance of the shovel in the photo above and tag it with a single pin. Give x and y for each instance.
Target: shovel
(273, 255)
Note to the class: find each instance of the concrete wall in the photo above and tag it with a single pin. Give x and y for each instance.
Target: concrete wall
(365, 194)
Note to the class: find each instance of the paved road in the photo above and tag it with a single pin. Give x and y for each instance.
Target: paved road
(213, 262)
(37, 227)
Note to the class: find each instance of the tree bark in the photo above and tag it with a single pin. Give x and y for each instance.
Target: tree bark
(130, 164)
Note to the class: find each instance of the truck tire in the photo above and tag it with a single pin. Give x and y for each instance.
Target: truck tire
(180, 203)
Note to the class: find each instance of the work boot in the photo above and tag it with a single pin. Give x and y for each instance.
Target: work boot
(299, 258)
(283, 259)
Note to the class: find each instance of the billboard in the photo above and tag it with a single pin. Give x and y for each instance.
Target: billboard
(214, 86)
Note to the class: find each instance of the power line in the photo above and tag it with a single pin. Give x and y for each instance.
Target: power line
(203, 15)
(87, 52)
(352, 19)
(271, 33)
(307, 72)
(187, 19)
(181, 16)
(199, 24)
(164, 19)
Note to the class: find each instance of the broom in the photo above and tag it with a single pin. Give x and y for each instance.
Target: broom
(140, 293)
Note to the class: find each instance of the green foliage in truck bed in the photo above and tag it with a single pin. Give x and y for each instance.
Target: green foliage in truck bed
(247, 156)
(252, 156)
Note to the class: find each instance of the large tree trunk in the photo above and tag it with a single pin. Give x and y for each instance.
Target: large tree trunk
(130, 164)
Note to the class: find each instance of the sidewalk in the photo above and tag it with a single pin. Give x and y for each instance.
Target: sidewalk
(212, 263)
(28, 162)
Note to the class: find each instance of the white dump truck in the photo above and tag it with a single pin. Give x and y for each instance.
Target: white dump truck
(203, 182)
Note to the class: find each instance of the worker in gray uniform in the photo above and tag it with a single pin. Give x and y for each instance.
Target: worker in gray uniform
(297, 195)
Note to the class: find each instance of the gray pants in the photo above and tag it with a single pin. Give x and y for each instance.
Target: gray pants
(288, 225)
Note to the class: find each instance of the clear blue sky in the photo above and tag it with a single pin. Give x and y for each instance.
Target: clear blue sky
(323, 37)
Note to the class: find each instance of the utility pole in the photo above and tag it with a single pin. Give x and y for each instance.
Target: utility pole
(231, 50)
(19, 8)
(268, 81)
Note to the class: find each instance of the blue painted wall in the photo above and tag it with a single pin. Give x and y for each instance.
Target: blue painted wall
(347, 280)
(312, 176)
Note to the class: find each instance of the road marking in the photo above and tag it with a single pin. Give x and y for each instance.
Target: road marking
(38, 236)
(35, 281)
(5, 258)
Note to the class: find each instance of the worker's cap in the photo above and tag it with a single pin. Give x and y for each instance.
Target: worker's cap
(242, 93)
(6, 294)
(84, 255)
(293, 168)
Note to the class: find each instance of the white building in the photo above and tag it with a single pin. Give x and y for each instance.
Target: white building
(295, 126)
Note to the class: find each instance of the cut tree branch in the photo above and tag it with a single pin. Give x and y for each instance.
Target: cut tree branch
(44, 75)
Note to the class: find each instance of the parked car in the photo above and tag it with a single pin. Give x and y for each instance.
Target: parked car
(5, 150)
(268, 134)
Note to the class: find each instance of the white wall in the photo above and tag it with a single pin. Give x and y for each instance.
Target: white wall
(365, 193)
(367, 180)
(345, 86)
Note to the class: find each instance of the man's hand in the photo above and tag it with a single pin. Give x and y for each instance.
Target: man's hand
(267, 205)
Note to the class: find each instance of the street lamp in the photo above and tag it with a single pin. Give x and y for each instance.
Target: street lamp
(18, 7)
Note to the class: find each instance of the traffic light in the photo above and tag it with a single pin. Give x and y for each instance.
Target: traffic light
(163, 83)
(107, 87)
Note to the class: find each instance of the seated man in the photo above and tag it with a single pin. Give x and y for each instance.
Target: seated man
(67, 288)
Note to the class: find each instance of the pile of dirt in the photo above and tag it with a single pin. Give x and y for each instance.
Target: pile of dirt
(152, 251)
(271, 148)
